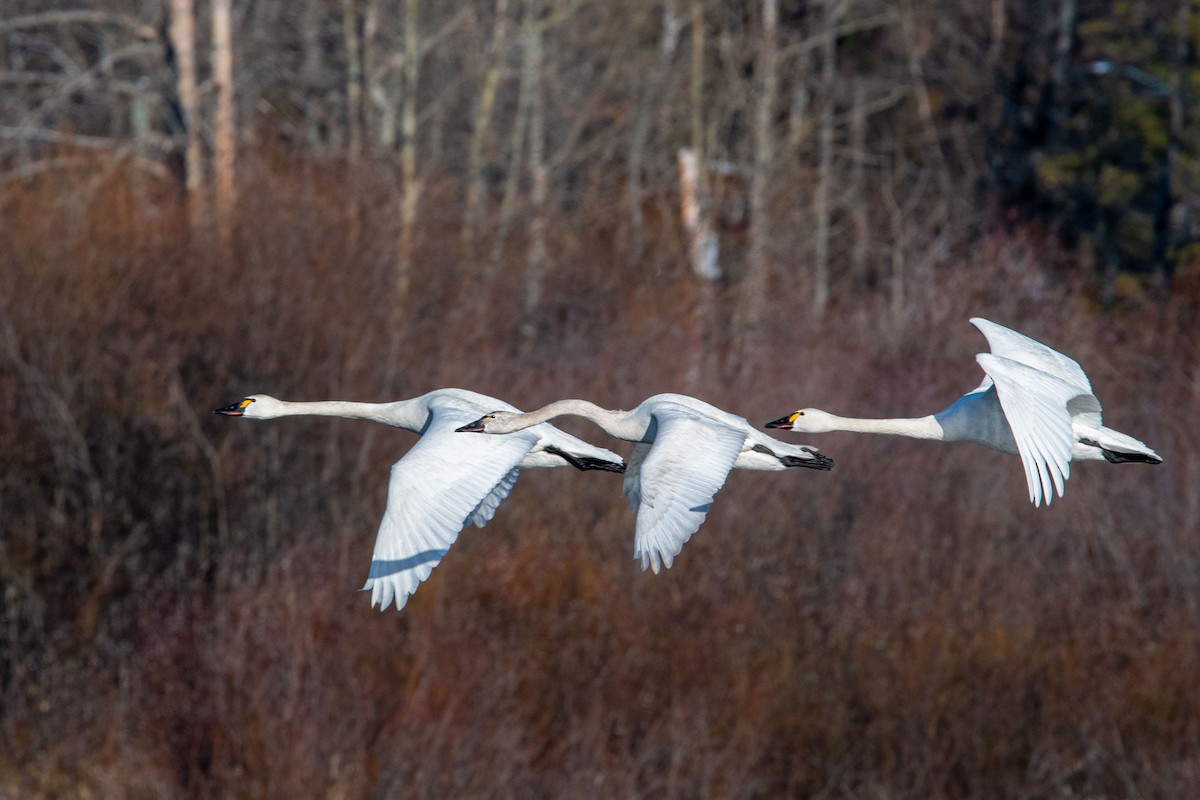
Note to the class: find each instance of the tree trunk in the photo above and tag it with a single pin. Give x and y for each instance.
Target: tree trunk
(702, 249)
(472, 214)
(183, 40)
(411, 184)
(858, 191)
(672, 24)
(702, 238)
(512, 179)
(311, 69)
(1166, 216)
(354, 103)
(916, 48)
(1067, 12)
(697, 217)
(998, 34)
(225, 126)
(383, 89)
(757, 276)
(822, 204)
(799, 126)
(535, 268)
(899, 245)
(697, 86)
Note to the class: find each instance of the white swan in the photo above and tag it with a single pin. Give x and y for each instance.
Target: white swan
(442, 482)
(682, 453)
(1033, 401)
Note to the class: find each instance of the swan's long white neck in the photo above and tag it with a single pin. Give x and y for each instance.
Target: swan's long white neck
(615, 423)
(400, 414)
(914, 427)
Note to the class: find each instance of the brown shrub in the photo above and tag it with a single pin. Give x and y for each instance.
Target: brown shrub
(179, 608)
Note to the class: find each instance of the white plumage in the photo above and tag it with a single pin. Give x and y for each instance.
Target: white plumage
(683, 451)
(1034, 402)
(444, 481)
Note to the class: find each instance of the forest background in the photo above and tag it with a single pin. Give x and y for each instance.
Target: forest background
(766, 204)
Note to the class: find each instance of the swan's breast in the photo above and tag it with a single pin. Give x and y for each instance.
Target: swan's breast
(978, 417)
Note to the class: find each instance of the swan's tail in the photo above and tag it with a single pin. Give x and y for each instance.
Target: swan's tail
(1118, 448)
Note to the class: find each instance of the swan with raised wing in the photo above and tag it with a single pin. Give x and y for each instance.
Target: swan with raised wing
(1034, 402)
(683, 450)
(444, 481)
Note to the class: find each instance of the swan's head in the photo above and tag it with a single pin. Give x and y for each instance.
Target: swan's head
(256, 406)
(806, 420)
(495, 422)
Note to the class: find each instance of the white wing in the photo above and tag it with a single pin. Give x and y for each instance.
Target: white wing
(677, 480)
(1014, 346)
(486, 509)
(631, 486)
(446, 480)
(1035, 405)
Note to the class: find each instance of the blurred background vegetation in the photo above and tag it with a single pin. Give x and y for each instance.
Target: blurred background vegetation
(766, 204)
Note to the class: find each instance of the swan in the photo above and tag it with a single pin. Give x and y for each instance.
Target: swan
(1034, 402)
(683, 450)
(442, 482)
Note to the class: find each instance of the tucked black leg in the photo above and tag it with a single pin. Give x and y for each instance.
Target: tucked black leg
(587, 462)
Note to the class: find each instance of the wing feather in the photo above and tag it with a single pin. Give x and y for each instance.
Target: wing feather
(1035, 405)
(631, 486)
(1018, 347)
(445, 481)
(486, 509)
(678, 479)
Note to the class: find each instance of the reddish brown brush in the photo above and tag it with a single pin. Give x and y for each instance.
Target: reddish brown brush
(179, 608)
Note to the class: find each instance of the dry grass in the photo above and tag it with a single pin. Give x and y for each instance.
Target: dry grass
(180, 617)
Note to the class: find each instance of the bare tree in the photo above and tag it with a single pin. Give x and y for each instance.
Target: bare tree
(183, 40)
(998, 33)
(518, 137)
(311, 67)
(535, 268)
(916, 45)
(754, 284)
(672, 25)
(825, 176)
(411, 183)
(697, 214)
(382, 65)
(705, 244)
(1067, 13)
(224, 127)
(1166, 223)
(354, 79)
(481, 125)
(859, 204)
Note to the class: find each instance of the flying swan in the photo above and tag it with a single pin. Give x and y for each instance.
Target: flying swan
(442, 482)
(1033, 401)
(683, 449)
